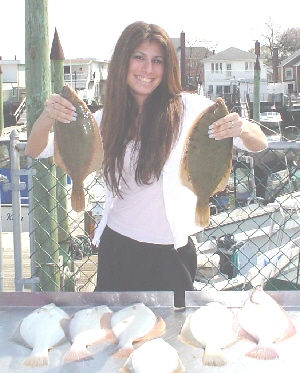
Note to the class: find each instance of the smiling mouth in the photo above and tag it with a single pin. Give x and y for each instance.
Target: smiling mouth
(143, 79)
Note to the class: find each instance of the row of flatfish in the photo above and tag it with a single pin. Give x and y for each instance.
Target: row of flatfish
(136, 332)
(205, 165)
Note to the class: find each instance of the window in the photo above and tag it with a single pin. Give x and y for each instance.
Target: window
(211, 89)
(217, 67)
(219, 90)
(288, 74)
(226, 88)
(228, 68)
(212, 67)
(67, 69)
(246, 66)
(221, 66)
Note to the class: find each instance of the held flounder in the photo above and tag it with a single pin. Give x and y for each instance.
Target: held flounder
(135, 323)
(206, 163)
(41, 330)
(77, 147)
(154, 356)
(213, 328)
(87, 327)
(266, 322)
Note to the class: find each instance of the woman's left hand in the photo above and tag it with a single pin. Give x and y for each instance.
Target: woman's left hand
(232, 125)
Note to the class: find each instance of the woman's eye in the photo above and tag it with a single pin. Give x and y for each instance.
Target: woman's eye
(158, 61)
(138, 57)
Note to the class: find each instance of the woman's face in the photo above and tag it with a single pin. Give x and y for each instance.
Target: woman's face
(146, 68)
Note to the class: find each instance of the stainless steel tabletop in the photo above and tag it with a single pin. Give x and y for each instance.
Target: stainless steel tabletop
(15, 306)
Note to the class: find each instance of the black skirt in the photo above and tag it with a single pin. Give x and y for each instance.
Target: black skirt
(128, 265)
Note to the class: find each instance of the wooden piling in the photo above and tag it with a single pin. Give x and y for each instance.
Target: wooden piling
(256, 89)
(57, 79)
(38, 88)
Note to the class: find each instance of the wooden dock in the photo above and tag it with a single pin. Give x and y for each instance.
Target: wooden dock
(87, 265)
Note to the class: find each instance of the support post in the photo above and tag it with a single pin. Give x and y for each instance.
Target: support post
(38, 89)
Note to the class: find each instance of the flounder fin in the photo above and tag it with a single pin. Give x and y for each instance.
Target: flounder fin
(263, 353)
(65, 324)
(224, 181)
(291, 329)
(77, 353)
(186, 336)
(202, 214)
(37, 360)
(17, 338)
(105, 324)
(157, 331)
(58, 158)
(123, 352)
(77, 197)
(214, 358)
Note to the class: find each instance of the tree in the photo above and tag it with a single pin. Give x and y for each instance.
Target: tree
(289, 41)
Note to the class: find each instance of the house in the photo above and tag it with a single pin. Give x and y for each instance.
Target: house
(13, 88)
(87, 77)
(194, 70)
(289, 74)
(231, 72)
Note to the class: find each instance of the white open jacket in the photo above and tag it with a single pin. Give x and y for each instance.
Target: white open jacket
(180, 202)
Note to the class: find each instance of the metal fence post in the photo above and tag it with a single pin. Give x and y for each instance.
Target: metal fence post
(16, 186)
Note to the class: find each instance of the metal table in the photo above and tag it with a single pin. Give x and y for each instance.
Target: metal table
(15, 306)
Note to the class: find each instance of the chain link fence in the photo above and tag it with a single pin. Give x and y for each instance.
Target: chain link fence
(253, 237)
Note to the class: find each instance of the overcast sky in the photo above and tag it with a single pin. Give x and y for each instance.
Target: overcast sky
(90, 28)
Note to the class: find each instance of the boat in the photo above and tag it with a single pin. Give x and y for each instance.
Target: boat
(271, 124)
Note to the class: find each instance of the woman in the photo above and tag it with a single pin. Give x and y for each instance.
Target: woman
(144, 233)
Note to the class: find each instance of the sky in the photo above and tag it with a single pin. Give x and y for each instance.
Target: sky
(90, 28)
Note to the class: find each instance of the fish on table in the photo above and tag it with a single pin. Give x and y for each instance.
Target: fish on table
(156, 356)
(211, 327)
(40, 331)
(87, 327)
(135, 323)
(206, 163)
(78, 149)
(265, 322)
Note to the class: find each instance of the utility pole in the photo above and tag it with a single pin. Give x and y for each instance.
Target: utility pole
(57, 78)
(256, 93)
(182, 59)
(38, 89)
(1, 100)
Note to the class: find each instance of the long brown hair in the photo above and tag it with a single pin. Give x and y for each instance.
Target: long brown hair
(159, 122)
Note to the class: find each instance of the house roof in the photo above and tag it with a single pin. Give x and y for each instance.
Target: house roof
(231, 54)
(193, 52)
(290, 58)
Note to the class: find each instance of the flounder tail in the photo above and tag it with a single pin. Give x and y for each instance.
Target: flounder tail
(202, 214)
(77, 197)
(77, 353)
(214, 357)
(37, 359)
(263, 353)
(123, 352)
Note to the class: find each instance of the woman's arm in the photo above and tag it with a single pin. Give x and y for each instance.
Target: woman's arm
(232, 125)
(56, 109)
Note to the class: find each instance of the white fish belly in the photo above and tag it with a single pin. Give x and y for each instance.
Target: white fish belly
(132, 322)
(154, 356)
(85, 321)
(212, 324)
(42, 326)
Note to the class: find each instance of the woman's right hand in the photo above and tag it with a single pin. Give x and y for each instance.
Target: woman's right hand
(60, 109)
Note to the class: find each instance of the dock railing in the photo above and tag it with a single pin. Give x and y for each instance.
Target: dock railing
(258, 212)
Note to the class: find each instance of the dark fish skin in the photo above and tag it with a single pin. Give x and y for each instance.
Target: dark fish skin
(206, 163)
(77, 147)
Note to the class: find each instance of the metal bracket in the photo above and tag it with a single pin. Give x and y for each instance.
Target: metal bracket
(13, 186)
